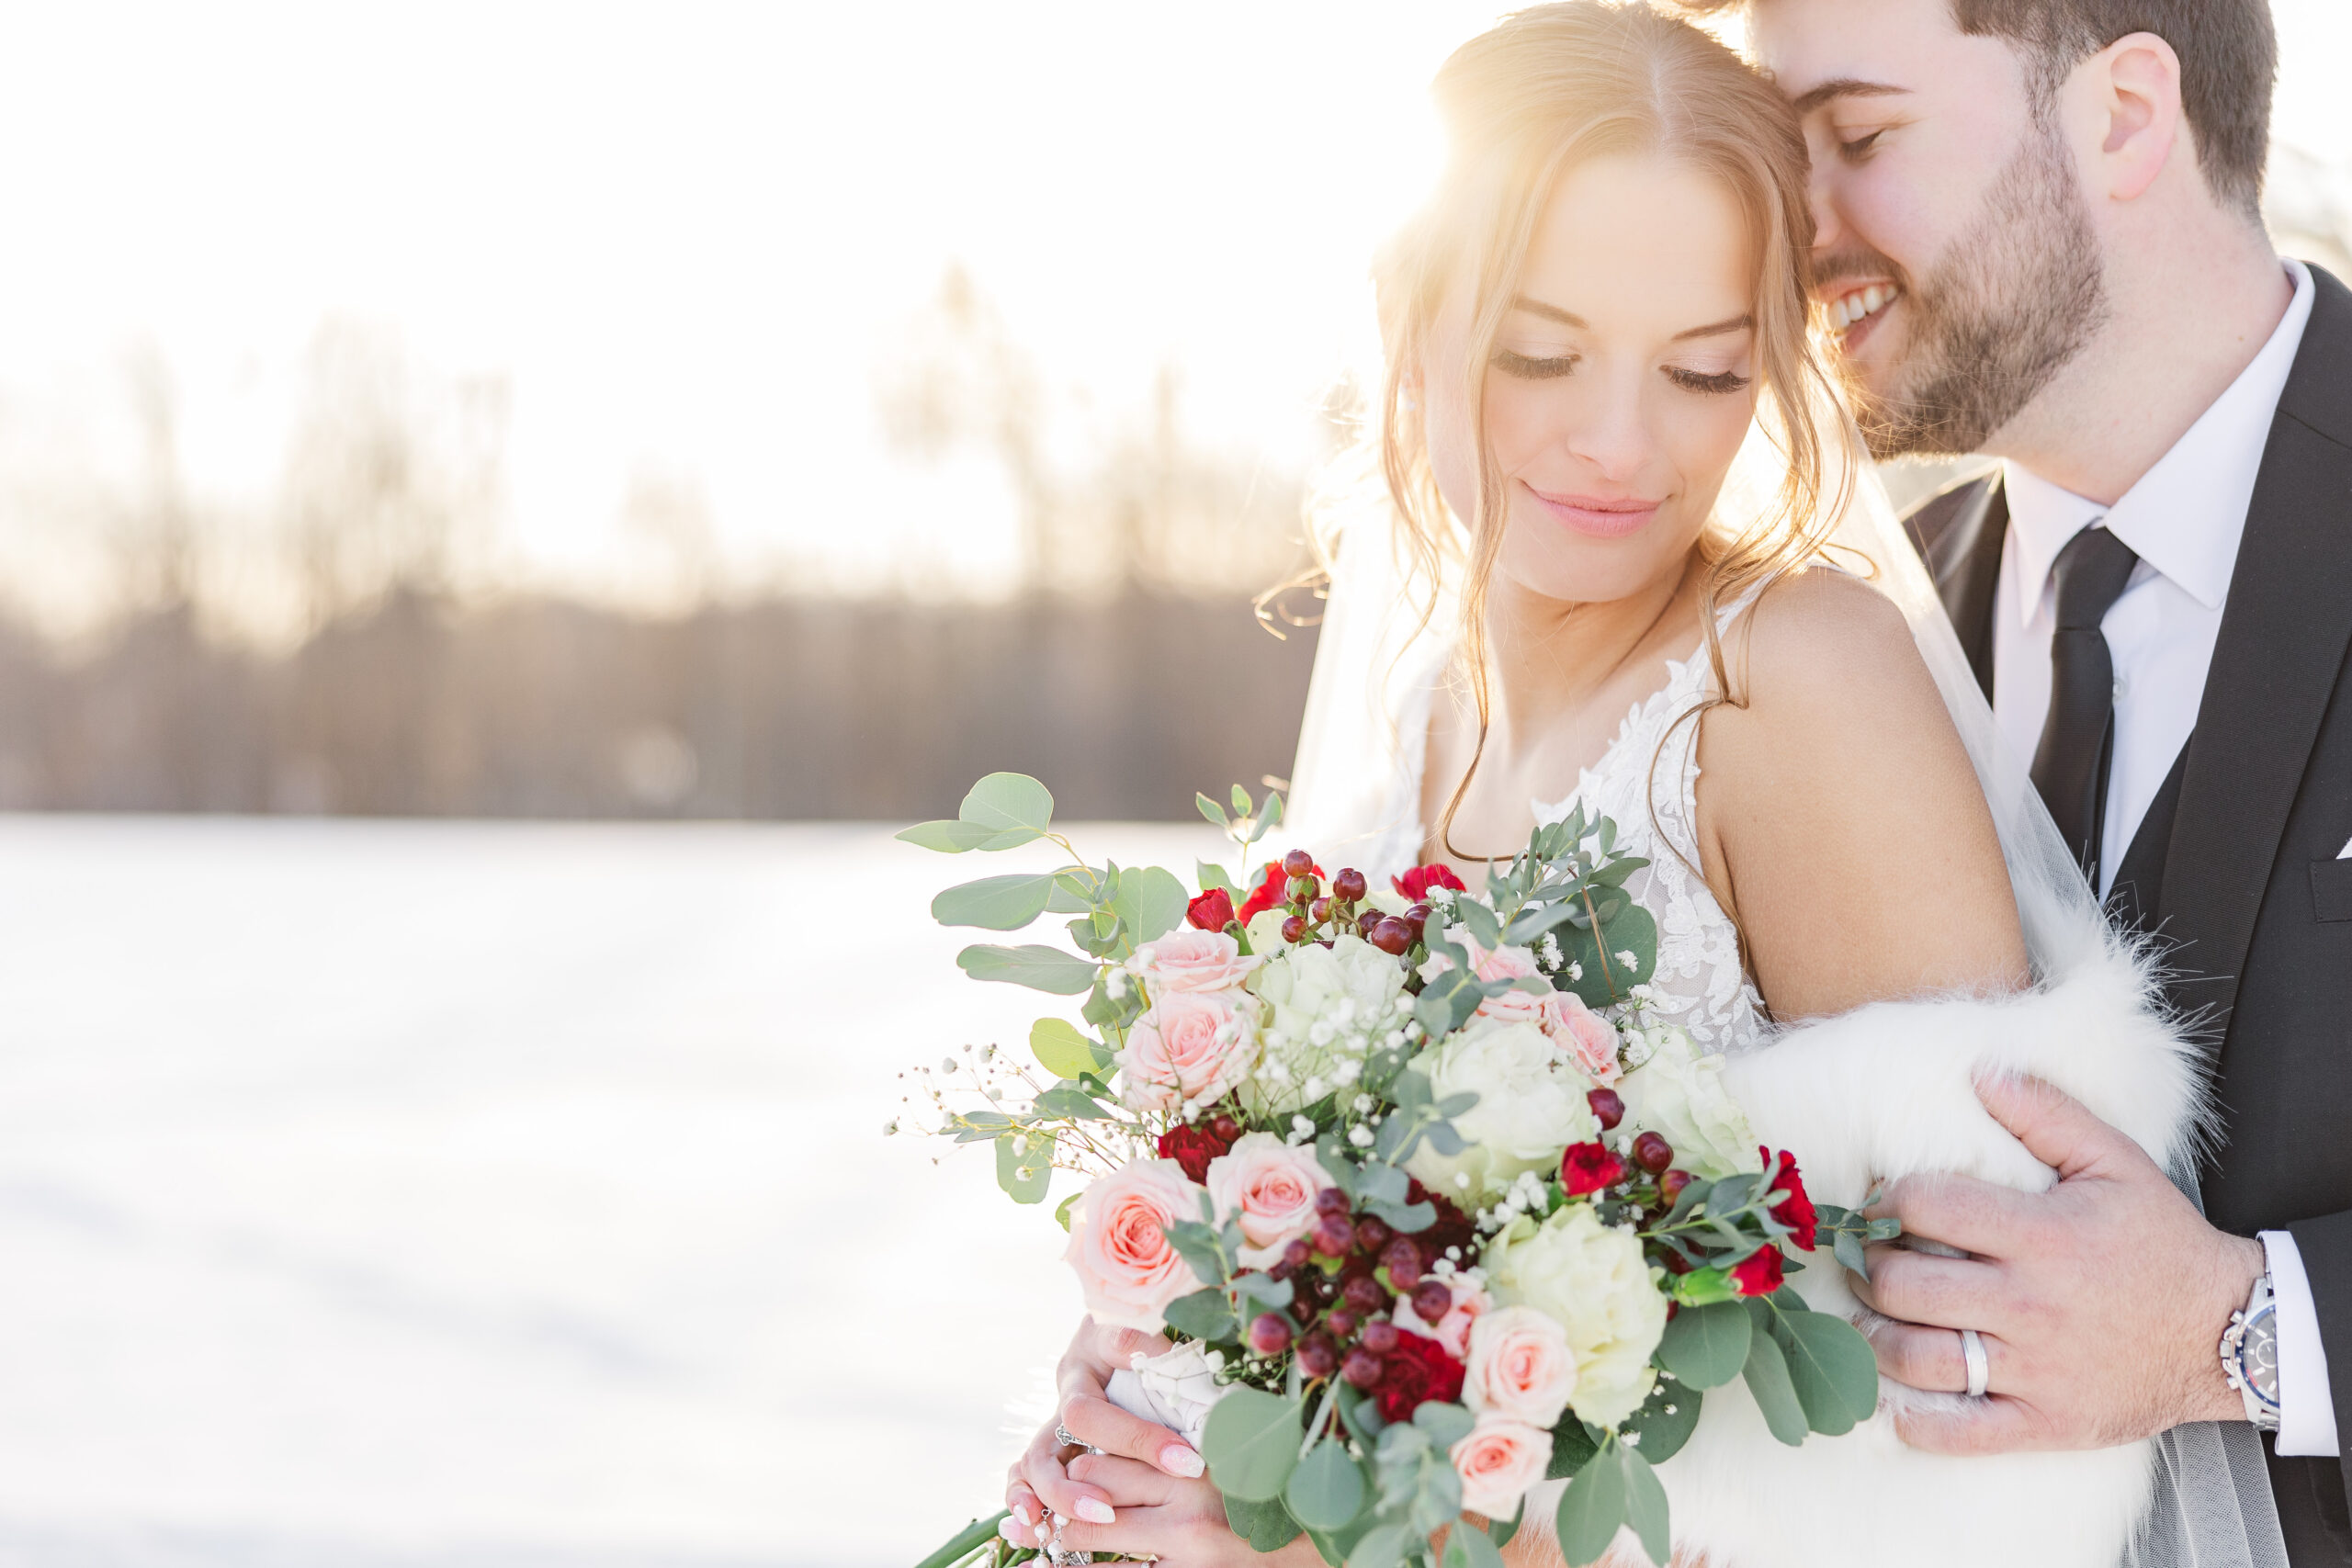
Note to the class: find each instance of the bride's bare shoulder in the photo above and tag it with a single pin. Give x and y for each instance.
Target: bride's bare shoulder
(1826, 651)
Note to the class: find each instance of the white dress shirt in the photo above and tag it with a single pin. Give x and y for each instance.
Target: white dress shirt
(2183, 519)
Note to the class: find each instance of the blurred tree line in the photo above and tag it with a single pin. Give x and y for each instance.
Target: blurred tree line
(1128, 671)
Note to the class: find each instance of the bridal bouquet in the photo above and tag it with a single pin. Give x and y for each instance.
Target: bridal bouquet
(1432, 1209)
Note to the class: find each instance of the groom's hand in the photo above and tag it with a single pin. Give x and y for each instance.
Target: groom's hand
(2101, 1302)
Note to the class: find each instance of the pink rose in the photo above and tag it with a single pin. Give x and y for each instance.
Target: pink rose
(1120, 1249)
(1188, 1045)
(1192, 961)
(1453, 1330)
(1269, 1187)
(1588, 1038)
(1498, 1462)
(1519, 1366)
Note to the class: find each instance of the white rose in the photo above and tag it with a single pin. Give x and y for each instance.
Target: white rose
(1177, 1389)
(1531, 1107)
(1677, 1093)
(1592, 1280)
(1265, 929)
(1325, 1008)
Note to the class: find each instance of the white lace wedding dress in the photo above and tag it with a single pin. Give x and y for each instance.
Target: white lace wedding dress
(1873, 1095)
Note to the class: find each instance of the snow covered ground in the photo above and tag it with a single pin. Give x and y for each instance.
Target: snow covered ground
(403, 1193)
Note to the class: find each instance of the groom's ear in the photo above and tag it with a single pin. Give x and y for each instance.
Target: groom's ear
(2127, 96)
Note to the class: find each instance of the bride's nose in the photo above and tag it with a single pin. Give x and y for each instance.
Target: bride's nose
(1612, 434)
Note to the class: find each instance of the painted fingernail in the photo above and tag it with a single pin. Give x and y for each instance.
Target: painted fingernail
(1178, 1459)
(1012, 1530)
(1021, 1512)
(1094, 1511)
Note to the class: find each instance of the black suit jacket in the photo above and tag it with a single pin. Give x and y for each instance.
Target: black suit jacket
(2249, 888)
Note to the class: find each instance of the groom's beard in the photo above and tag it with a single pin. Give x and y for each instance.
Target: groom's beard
(2018, 295)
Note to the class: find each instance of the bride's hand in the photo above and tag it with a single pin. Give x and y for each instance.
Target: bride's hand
(1181, 1522)
(1039, 1482)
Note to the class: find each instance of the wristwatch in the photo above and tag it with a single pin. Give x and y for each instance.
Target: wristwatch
(2250, 1356)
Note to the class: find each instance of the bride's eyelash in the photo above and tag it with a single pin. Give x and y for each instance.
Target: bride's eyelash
(1722, 381)
(1854, 152)
(1528, 369)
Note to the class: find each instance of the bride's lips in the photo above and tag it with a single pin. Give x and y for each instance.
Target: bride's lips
(1600, 517)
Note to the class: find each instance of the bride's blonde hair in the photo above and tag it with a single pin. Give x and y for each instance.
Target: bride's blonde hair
(1546, 89)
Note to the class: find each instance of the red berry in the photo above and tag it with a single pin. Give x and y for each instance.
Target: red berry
(1417, 916)
(1653, 1153)
(1367, 922)
(1364, 1294)
(1349, 885)
(1362, 1368)
(1226, 1130)
(1302, 888)
(1380, 1337)
(1392, 936)
(1320, 911)
(1294, 928)
(1607, 1104)
(1303, 1304)
(1334, 1237)
(1331, 1201)
(1341, 1323)
(1317, 1356)
(1296, 1253)
(1298, 862)
(1403, 1261)
(1270, 1334)
(1371, 1234)
(1670, 1186)
(1432, 1298)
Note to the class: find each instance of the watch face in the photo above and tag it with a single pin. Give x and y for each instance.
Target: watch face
(2259, 1356)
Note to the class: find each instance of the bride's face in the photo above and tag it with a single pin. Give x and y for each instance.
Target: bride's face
(1621, 383)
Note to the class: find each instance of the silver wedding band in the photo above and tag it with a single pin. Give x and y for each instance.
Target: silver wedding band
(1980, 1369)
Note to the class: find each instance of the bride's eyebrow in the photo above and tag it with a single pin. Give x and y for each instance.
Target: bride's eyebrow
(1717, 329)
(1549, 313)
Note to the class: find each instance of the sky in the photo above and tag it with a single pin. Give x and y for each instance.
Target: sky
(685, 236)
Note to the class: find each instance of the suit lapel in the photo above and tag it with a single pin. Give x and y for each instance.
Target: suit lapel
(1964, 558)
(2284, 632)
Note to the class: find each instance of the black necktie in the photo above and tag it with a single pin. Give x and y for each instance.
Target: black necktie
(2078, 738)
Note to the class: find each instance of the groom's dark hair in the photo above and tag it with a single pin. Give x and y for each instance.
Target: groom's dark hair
(2229, 59)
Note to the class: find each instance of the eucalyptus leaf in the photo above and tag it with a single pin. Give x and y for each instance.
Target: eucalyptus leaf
(1062, 1208)
(1445, 1424)
(1666, 1420)
(1015, 806)
(1767, 1379)
(1202, 1314)
(1483, 928)
(1210, 809)
(1211, 877)
(1382, 1547)
(1326, 1488)
(1047, 969)
(1705, 1347)
(1833, 1369)
(1467, 1546)
(1062, 1050)
(994, 903)
(1645, 1507)
(1151, 902)
(1251, 1443)
(949, 836)
(1075, 1104)
(1573, 1446)
(1592, 1509)
(1267, 1526)
(1025, 1174)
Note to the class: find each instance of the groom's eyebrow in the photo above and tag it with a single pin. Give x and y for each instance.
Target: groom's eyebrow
(1844, 88)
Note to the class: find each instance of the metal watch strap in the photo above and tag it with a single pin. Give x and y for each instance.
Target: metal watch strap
(2250, 1356)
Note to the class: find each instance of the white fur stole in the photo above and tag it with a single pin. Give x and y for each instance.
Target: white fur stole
(1886, 1091)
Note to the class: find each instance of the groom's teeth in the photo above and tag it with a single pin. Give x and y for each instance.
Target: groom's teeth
(1849, 309)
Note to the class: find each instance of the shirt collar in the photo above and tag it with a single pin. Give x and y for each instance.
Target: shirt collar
(2186, 514)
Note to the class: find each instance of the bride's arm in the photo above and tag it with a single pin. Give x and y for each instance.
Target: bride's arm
(1840, 822)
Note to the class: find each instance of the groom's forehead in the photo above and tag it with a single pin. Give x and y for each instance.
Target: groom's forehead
(1813, 46)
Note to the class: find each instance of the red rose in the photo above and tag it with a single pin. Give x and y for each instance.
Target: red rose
(1212, 912)
(1416, 884)
(1759, 1275)
(1192, 1147)
(1589, 1167)
(1418, 1371)
(1796, 1211)
(1269, 894)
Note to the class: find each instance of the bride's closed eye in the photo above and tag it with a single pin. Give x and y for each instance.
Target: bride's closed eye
(1527, 369)
(1701, 382)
